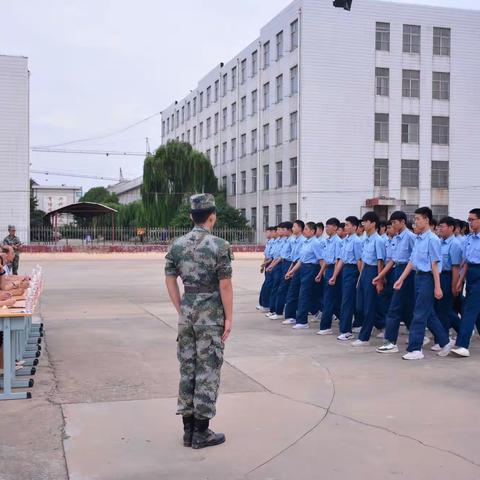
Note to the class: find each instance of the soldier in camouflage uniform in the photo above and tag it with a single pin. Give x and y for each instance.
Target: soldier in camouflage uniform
(12, 240)
(203, 262)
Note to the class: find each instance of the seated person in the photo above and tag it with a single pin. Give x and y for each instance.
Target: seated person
(10, 256)
(9, 283)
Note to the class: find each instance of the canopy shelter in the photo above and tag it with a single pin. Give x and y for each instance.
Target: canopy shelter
(85, 210)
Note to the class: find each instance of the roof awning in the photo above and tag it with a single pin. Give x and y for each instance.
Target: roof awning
(83, 209)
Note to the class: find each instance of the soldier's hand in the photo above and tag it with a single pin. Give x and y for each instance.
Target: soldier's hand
(227, 329)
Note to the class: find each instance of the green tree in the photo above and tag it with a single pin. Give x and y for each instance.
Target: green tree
(36, 215)
(175, 172)
(100, 195)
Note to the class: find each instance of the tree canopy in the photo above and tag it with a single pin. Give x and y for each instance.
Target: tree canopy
(100, 195)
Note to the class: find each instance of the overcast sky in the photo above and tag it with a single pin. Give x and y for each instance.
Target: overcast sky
(100, 65)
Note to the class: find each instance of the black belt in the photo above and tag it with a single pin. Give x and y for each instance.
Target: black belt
(398, 264)
(350, 265)
(310, 264)
(473, 265)
(446, 272)
(419, 272)
(366, 265)
(199, 289)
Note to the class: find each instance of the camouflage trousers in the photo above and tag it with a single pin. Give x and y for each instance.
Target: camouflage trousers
(15, 263)
(200, 353)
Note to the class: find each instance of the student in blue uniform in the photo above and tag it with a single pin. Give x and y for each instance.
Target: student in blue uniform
(275, 267)
(264, 298)
(373, 259)
(471, 271)
(317, 306)
(426, 260)
(332, 294)
(402, 302)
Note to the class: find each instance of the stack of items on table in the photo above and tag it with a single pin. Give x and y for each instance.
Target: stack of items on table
(21, 333)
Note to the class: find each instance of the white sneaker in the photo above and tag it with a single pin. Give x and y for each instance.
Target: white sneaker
(327, 331)
(259, 307)
(446, 349)
(269, 314)
(275, 316)
(426, 340)
(289, 321)
(265, 309)
(381, 334)
(345, 336)
(460, 352)
(415, 355)
(314, 319)
(356, 329)
(387, 348)
(301, 326)
(359, 343)
(435, 348)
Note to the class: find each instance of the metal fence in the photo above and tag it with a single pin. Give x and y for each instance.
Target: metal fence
(96, 236)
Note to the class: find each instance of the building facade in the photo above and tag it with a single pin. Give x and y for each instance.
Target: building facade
(128, 191)
(14, 146)
(332, 113)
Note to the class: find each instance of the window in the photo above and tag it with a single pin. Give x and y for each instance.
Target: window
(266, 136)
(243, 71)
(439, 211)
(215, 155)
(279, 88)
(224, 84)
(183, 115)
(410, 128)
(293, 35)
(189, 110)
(439, 174)
(208, 154)
(224, 152)
(215, 124)
(441, 41)
(194, 137)
(266, 55)
(254, 179)
(216, 93)
(410, 212)
(254, 102)
(279, 43)
(293, 211)
(224, 184)
(254, 63)
(194, 106)
(266, 177)
(441, 86)
(381, 127)
(200, 106)
(294, 80)
(188, 136)
(163, 128)
(243, 182)
(209, 126)
(254, 141)
(293, 126)
(266, 218)
(253, 218)
(440, 130)
(410, 173)
(279, 174)
(243, 108)
(177, 118)
(266, 95)
(200, 131)
(234, 184)
(234, 113)
(168, 124)
(382, 81)
(224, 118)
(243, 145)
(380, 172)
(209, 96)
(382, 36)
(278, 214)
(293, 171)
(243, 212)
(411, 83)
(279, 131)
(183, 137)
(411, 38)
(234, 78)
(233, 147)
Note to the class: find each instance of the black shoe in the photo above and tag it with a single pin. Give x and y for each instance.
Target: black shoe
(204, 437)
(187, 431)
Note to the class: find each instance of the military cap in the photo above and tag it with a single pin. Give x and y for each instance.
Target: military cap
(11, 227)
(201, 202)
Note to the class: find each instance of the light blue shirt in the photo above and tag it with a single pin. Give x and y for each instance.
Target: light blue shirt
(388, 248)
(268, 248)
(471, 248)
(402, 246)
(299, 241)
(277, 247)
(451, 253)
(373, 249)
(427, 249)
(333, 248)
(351, 249)
(287, 248)
(312, 251)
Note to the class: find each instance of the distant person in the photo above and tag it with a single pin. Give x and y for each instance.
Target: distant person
(12, 240)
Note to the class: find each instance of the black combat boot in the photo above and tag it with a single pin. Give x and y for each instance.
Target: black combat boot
(203, 437)
(187, 431)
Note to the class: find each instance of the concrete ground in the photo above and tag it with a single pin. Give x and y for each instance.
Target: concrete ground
(293, 405)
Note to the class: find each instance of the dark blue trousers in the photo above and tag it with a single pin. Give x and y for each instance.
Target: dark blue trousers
(291, 303)
(264, 299)
(471, 308)
(385, 300)
(424, 314)
(317, 302)
(444, 307)
(370, 301)
(332, 298)
(276, 278)
(401, 306)
(283, 288)
(349, 297)
(308, 272)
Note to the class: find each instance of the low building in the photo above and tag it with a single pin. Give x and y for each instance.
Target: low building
(128, 191)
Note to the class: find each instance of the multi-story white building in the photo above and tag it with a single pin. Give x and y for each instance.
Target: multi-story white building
(14, 146)
(332, 113)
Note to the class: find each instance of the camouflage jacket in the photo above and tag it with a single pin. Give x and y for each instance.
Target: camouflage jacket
(13, 242)
(201, 260)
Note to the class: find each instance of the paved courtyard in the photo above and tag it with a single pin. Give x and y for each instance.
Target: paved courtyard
(293, 405)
